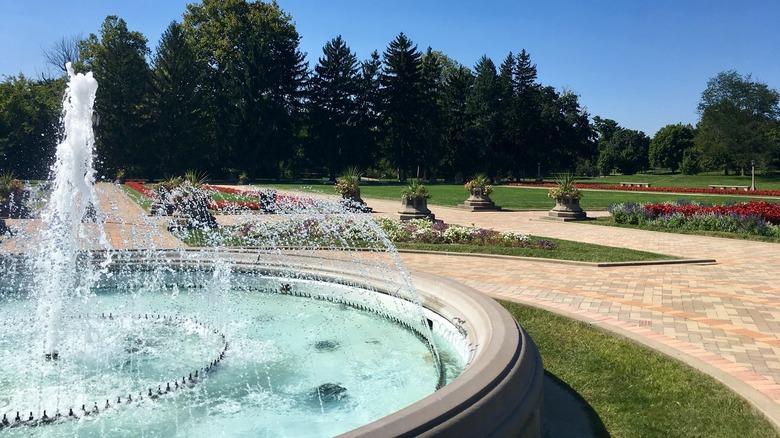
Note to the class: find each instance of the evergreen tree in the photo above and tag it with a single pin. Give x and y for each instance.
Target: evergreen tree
(180, 119)
(428, 153)
(402, 99)
(462, 154)
(333, 117)
(369, 103)
(484, 108)
(118, 61)
(254, 76)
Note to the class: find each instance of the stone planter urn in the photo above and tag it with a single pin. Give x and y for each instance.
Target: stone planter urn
(478, 201)
(415, 208)
(353, 201)
(567, 208)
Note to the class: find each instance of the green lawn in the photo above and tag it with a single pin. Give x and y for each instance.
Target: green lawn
(521, 198)
(564, 250)
(637, 392)
(763, 182)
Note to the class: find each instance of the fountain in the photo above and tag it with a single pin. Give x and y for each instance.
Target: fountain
(316, 330)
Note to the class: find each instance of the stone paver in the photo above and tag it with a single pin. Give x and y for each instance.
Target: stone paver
(723, 318)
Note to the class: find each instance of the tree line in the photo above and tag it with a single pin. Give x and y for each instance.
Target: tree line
(228, 91)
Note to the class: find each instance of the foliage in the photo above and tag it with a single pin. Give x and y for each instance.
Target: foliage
(118, 60)
(29, 115)
(336, 134)
(669, 145)
(402, 96)
(182, 133)
(738, 115)
(565, 187)
(415, 189)
(196, 178)
(253, 81)
(752, 218)
(480, 181)
(348, 183)
(10, 186)
(426, 231)
(624, 150)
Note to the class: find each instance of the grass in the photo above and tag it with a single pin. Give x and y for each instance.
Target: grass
(522, 198)
(564, 250)
(637, 392)
(763, 182)
(137, 197)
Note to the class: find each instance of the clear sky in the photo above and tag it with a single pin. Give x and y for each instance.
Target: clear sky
(642, 63)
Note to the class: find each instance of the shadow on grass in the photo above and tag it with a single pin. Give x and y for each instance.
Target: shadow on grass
(566, 414)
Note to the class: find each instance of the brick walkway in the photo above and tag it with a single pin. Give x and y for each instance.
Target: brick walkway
(722, 318)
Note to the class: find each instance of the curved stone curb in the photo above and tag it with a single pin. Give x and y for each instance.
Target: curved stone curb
(564, 262)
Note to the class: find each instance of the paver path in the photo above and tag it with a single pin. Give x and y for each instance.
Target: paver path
(723, 318)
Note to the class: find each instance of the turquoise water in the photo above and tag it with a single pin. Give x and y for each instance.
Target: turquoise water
(293, 366)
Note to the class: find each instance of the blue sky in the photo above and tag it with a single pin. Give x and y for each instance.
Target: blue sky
(642, 63)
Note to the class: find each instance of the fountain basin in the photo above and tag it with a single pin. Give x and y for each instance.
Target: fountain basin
(499, 391)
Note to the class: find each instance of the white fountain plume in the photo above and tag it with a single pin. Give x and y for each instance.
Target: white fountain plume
(72, 195)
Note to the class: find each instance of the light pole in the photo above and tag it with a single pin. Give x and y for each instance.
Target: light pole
(752, 174)
(539, 172)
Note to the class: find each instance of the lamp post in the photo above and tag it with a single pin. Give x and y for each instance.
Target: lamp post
(752, 174)
(539, 172)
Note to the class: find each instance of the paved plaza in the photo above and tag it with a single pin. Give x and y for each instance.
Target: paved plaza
(721, 317)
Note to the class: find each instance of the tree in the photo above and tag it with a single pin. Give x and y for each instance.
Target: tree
(63, 51)
(737, 115)
(428, 151)
(118, 61)
(462, 156)
(402, 97)
(254, 79)
(484, 111)
(669, 145)
(627, 150)
(179, 117)
(333, 117)
(29, 114)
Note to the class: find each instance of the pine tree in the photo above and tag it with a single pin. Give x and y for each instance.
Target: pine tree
(462, 155)
(401, 80)
(118, 60)
(181, 133)
(333, 118)
(484, 108)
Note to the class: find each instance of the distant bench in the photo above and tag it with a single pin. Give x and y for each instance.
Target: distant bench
(635, 184)
(725, 187)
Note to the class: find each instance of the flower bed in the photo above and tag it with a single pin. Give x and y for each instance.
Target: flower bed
(255, 199)
(426, 231)
(704, 191)
(142, 189)
(754, 217)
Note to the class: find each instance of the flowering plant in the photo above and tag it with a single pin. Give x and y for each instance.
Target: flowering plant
(426, 231)
(754, 217)
(565, 187)
(10, 187)
(480, 181)
(348, 183)
(415, 190)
